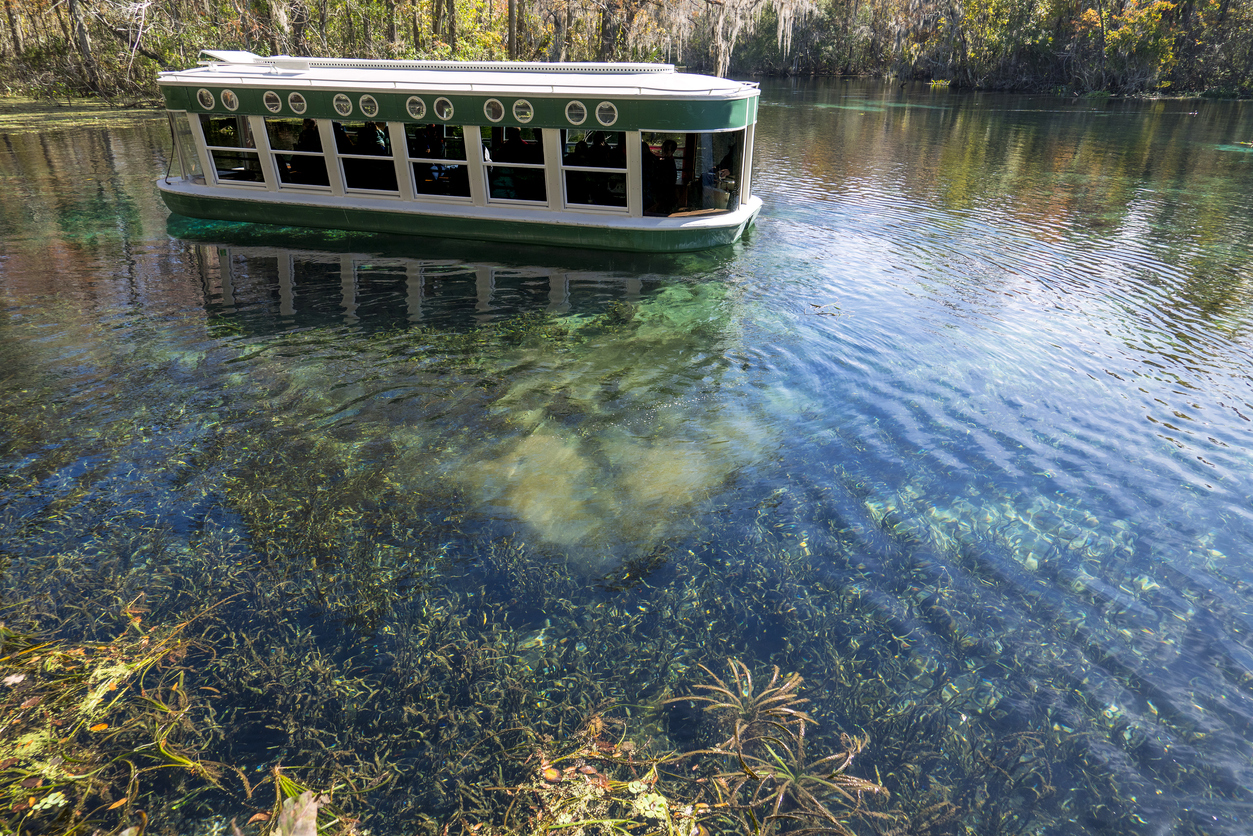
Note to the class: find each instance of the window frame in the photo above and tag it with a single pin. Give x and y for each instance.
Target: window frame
(283, 185)
(464, 162)
(543, 166)
(203, 143)
(624, 171)
(393, 194)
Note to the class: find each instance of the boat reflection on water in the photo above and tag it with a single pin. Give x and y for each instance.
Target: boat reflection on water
(266, 280)
(594, 411)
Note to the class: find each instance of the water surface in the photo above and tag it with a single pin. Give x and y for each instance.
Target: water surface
(960, 433)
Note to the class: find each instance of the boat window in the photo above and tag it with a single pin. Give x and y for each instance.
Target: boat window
(494, 110)
(594, 168)
(369, 106)
(297, 103)
(521, 178)
(273, 101)
(522, 110)
(228, 139)
(576, 113)
(691, 173)
(296, 146)
(185, 148)
(443, 108)
(205, 97)
(365, 151)
(606, 113)
(343, 104)
(416, 107)
(229, 100)
(437, 158)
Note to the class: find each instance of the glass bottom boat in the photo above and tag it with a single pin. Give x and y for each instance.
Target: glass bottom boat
(602, 156)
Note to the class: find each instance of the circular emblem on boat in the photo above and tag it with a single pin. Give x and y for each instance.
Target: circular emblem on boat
(273, 101)
(296, 102)
(494, 110)
(576, 113)
(229, 100)
(606, 113)
(522, 111)
(369, 106)
(443, 108)
(416, 107)
(343, 104)
(205, 97)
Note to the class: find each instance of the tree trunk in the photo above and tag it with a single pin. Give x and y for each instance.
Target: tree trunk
(299, 22)
(390, 7)
(280, 28)
(513, 29)
(15, 28)
(83, 42)
(610, 24)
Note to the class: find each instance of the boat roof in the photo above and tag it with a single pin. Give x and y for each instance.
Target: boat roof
(513, 78)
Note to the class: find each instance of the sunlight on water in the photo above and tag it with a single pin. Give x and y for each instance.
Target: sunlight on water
(959, 434)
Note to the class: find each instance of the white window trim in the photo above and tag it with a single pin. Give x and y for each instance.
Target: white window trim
(333, 172)
(207, 149)
(408, 161)
(634, 208)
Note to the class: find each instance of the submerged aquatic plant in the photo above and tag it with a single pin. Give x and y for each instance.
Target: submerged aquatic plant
(768, 781)
(83, 722)
(790, 789)
(752, 715)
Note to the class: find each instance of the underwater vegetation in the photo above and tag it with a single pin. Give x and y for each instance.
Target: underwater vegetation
(546, 574)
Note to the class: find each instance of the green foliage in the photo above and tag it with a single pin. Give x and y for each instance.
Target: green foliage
(1137, 47)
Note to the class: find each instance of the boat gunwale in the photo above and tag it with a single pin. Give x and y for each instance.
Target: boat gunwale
(492, 212)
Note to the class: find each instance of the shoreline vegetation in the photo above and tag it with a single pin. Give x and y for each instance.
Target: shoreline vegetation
(87, 48)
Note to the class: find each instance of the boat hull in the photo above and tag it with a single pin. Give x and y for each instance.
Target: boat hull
(508, 225)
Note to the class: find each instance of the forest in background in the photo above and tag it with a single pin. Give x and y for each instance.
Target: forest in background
(115, 48)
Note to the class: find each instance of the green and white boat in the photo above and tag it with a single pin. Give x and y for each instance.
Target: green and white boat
(605, 156)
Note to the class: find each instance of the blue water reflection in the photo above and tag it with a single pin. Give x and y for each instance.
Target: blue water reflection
(965, 420)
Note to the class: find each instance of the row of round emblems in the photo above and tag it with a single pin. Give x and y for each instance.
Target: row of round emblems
(273, 102)
(576, 112)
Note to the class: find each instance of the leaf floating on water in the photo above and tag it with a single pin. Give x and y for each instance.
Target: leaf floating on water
(99, 727)
(299, 816)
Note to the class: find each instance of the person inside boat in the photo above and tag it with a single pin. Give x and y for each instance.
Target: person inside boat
(665, 175)
(342, 143)
(577, 187)
(309, 139)
(648, 163)
(308, 170)
(371, 140)
(513, 149)
(717, 186)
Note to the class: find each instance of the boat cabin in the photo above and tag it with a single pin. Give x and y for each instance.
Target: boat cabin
(609, 156)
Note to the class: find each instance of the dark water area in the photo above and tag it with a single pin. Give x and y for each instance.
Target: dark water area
(960, 433)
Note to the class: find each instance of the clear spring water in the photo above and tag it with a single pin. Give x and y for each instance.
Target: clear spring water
(983, 366)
